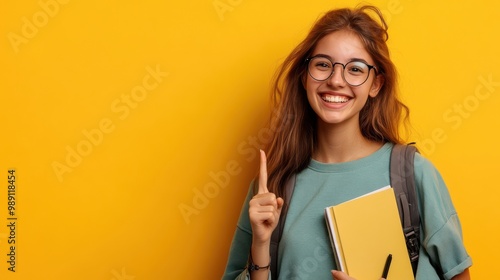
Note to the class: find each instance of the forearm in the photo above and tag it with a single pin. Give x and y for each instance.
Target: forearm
(260, 257)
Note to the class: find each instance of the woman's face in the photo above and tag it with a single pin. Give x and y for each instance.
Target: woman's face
(335, 101)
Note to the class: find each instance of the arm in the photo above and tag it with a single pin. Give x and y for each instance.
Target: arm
(258, 218)
(264, 212)
(443, 251)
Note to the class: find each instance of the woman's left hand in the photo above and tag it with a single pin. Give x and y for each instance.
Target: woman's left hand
(339, 275)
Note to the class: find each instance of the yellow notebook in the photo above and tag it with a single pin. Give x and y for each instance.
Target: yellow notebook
(364, 231)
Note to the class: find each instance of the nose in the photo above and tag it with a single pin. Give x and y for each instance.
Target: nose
(337, 78)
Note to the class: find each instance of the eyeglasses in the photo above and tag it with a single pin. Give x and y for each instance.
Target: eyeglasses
(355, 72)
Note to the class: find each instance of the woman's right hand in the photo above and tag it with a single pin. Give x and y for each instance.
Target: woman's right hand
(264, 208)
(264, 211)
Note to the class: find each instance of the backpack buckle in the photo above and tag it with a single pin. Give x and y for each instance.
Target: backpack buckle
(412, 244)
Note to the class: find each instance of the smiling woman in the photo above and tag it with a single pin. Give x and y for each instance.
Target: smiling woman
(340, 86)
(108, 164)
(340, 96)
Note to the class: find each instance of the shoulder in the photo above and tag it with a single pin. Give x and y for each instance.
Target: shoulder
(426, 171)
(434, 198)
(432, 190)
(422, 164)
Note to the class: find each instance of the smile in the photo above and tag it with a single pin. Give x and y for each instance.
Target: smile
(335, 98)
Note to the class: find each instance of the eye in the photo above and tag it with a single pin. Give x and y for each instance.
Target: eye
(356, 68)
(321, 63)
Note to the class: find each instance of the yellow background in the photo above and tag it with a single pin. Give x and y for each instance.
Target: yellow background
(71, 68)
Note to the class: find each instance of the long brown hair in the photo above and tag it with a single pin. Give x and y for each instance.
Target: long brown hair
(294, 121)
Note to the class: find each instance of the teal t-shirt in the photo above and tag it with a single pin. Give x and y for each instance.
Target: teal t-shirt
(305, 251)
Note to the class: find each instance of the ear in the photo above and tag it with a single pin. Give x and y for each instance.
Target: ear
(377, 84)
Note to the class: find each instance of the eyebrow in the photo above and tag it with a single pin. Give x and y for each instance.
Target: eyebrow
(350, 60)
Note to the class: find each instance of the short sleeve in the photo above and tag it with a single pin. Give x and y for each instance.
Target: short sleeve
(442, 247)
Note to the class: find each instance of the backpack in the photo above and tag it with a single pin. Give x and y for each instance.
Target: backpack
(402, 181)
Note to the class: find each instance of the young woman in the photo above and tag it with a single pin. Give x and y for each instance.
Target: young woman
(337, 120)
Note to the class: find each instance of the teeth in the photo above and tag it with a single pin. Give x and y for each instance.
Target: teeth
(335, 99)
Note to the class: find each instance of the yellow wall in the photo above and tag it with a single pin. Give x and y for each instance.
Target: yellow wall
(118, 114)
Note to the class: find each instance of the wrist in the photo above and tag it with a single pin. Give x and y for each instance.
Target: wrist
(261, 243)
(255, 267)
(260, 254)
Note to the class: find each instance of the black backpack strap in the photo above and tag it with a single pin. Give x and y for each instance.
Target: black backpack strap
(403, 182)
(278, 231)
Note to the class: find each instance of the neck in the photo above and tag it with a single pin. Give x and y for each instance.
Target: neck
(342, 143)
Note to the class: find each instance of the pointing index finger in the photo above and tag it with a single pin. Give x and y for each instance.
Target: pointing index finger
(263, 173)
